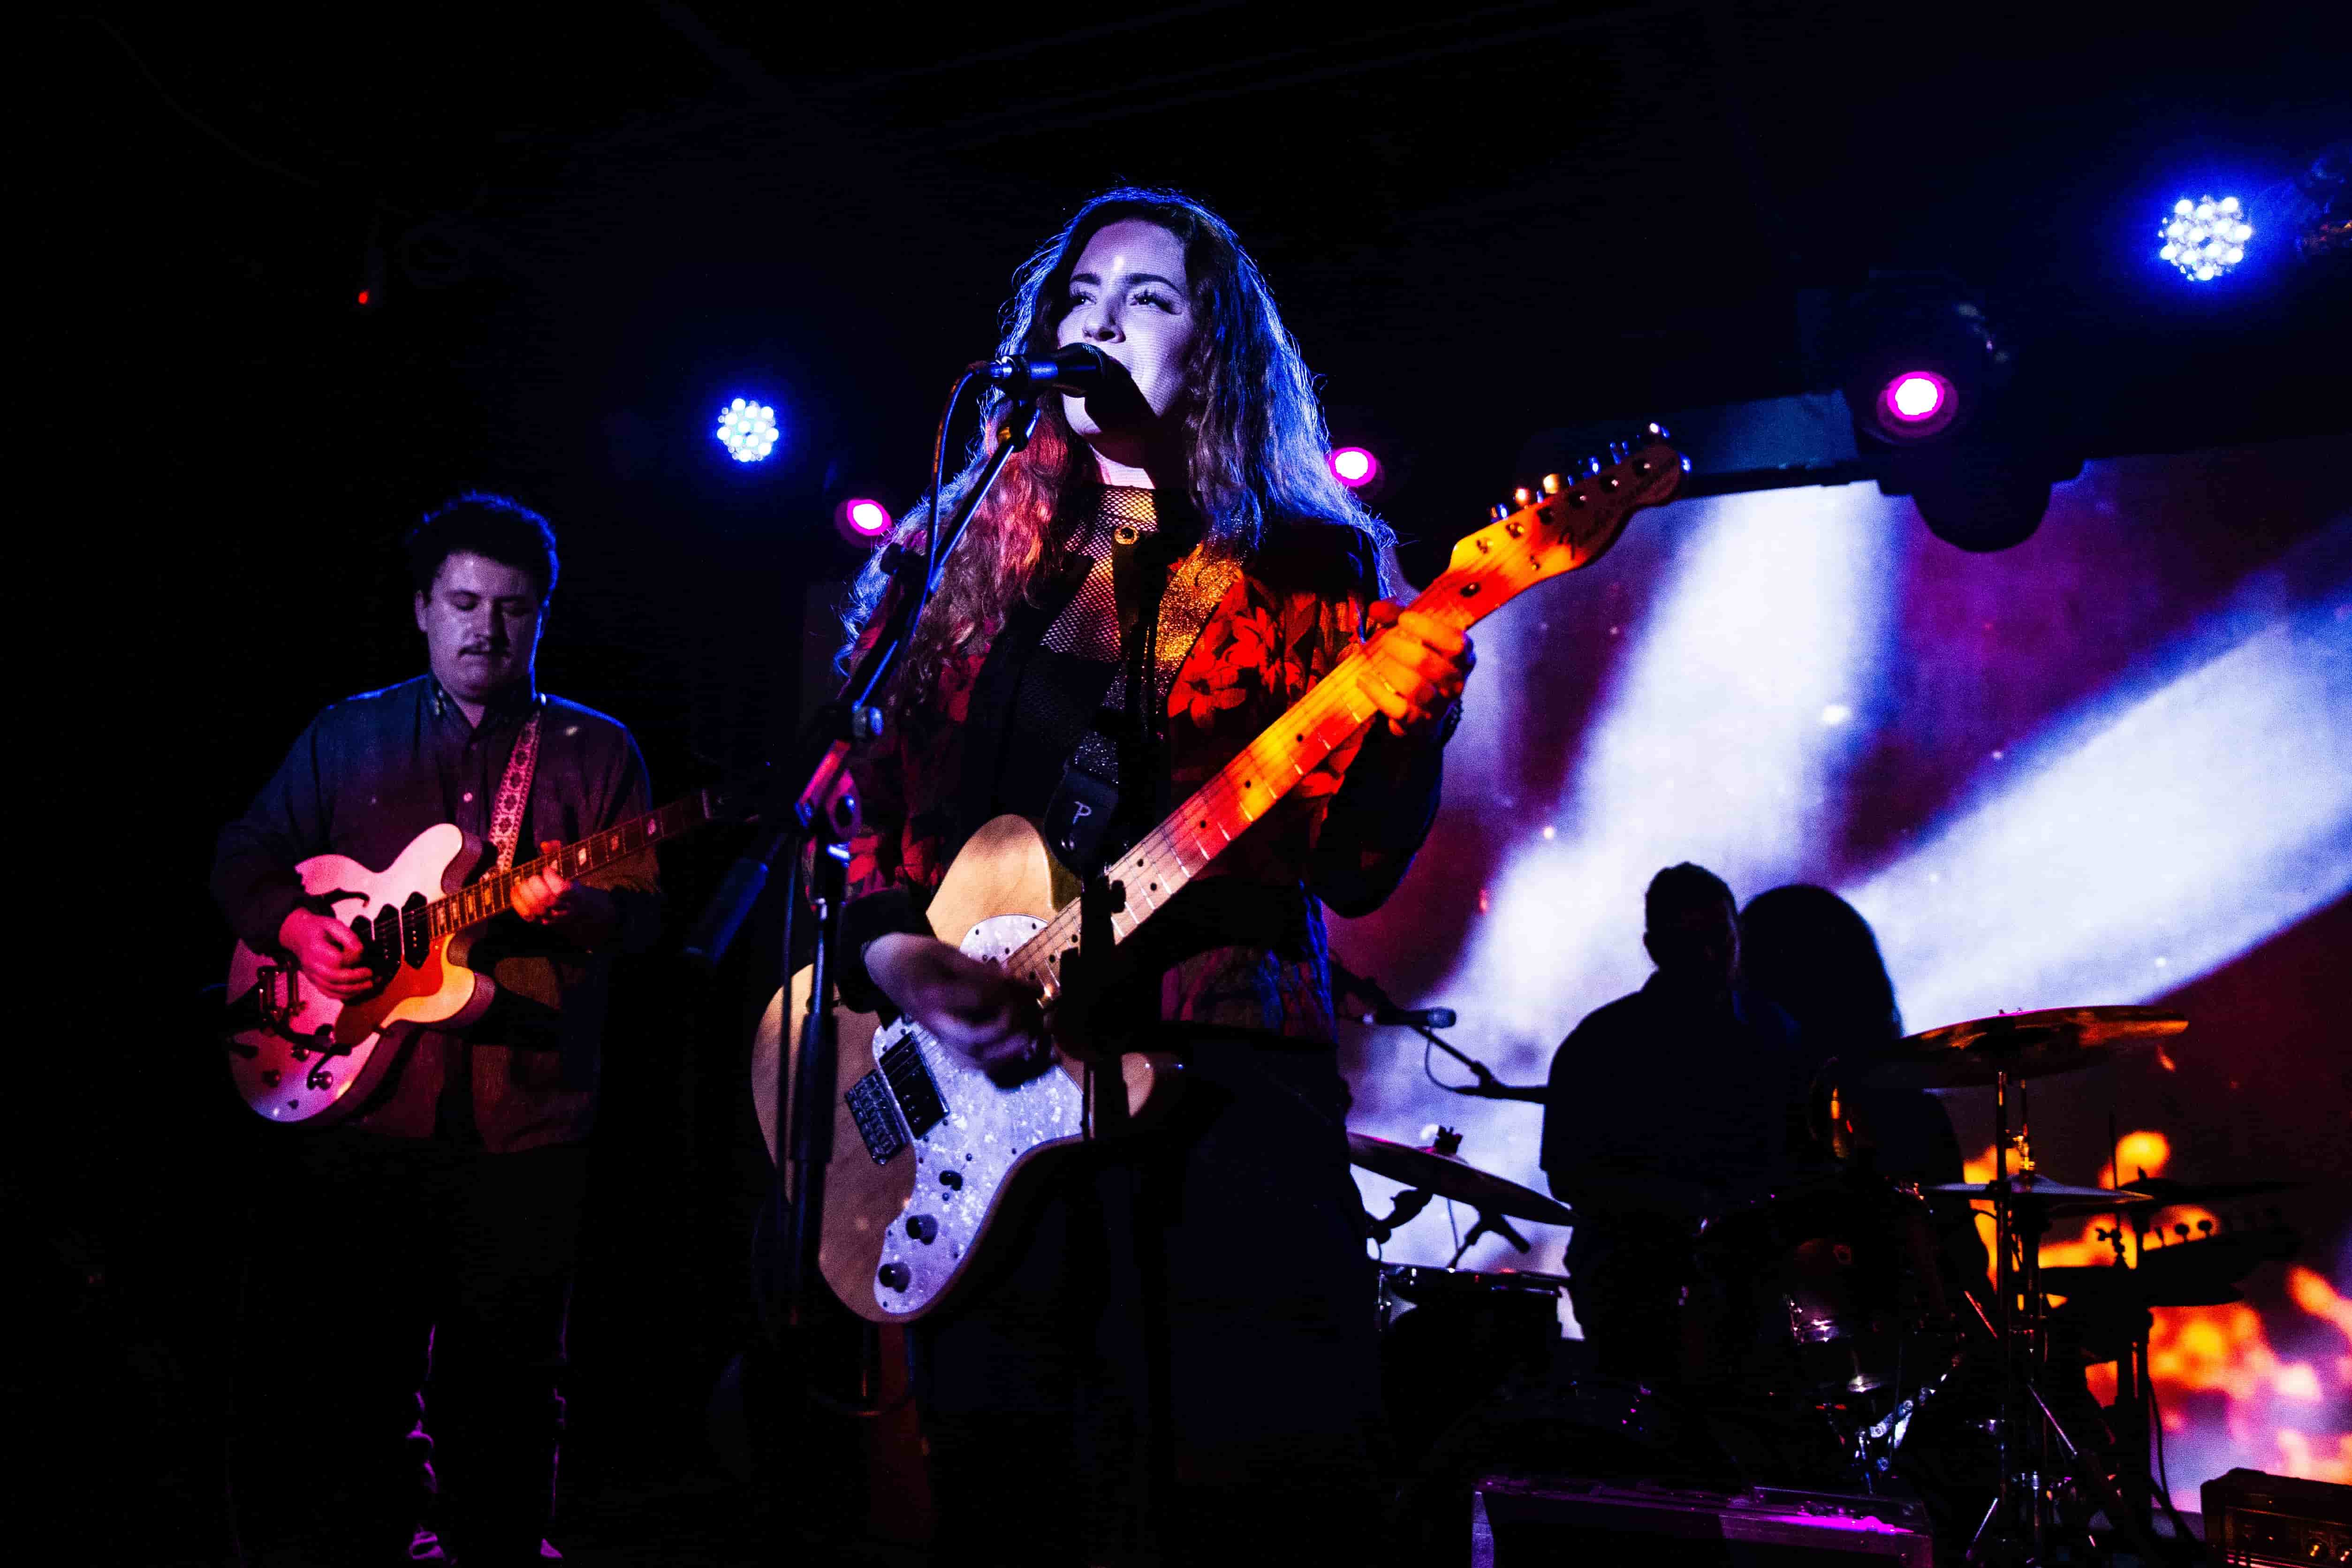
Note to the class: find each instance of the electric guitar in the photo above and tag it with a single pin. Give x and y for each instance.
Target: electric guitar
(929, 1152)
(298, 1055)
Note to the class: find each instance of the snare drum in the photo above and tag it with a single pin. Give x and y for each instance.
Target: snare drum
(1449, 1338)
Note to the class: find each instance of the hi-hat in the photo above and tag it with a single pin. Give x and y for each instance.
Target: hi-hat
(1448, 1176)
(2023, 1045)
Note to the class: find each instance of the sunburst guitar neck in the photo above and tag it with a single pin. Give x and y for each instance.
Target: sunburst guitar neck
(296, 1054)
(929, 1153)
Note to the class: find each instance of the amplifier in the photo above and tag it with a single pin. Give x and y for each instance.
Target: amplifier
(1521, 1522)
(2251, 1517)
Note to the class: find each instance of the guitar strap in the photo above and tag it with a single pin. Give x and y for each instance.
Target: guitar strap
(514, 790)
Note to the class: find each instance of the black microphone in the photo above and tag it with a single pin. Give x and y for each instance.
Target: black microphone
(1413, 1018)
(1078, 370)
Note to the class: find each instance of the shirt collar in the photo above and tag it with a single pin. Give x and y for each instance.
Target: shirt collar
(505, 707)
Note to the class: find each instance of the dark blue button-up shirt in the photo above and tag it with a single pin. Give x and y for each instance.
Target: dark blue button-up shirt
(368, 776)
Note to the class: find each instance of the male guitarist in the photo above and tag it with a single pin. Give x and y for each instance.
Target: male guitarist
(441, 1222)
(1175, 1355)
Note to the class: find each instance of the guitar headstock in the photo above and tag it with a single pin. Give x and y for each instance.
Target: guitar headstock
(1572, 520)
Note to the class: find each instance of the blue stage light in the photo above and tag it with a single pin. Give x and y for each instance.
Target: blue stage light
(2204, 238)
(747, 429)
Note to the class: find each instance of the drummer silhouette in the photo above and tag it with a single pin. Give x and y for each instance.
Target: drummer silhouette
(1812, 954)
(1665, 1106)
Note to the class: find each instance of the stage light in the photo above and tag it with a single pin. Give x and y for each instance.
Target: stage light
(862, 521)
(747, 429)
(2204, 238)
(1915, 355)
(1354, 467)
(1915, 404)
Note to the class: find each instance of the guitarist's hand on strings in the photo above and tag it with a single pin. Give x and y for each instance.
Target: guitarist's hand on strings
(328, 952)
(1419, 664)
(580, 915)
(967, 1006)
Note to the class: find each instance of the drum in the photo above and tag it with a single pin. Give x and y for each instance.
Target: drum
(1819, 1293)
(1449, 1337)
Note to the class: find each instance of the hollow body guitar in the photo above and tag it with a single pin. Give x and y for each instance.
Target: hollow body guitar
(929, 1153)
(296, 1054)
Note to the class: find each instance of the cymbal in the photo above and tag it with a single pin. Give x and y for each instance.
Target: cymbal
(2059, 1196)
(2023, 1045)
(2200, 1274)
(1448, 1176)
(2164, 1190)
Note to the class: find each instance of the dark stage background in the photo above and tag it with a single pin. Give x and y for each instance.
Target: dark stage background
(2108, 766)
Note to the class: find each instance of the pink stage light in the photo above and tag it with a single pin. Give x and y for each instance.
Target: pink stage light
(1354, 467)
(862, 521)
(1915, 403)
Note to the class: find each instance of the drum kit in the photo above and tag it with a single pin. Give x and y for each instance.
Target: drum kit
(1835, 1335)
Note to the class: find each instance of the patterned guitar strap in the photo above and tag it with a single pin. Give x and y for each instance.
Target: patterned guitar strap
(514, 790)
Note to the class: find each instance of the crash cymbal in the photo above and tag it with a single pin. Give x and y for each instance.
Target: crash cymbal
(2164, 1190)
(2023, 1045)
(2058, 1197)
(1449, 1177)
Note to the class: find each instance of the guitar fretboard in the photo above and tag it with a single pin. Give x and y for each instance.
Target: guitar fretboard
(480, 901)
(1561, 530)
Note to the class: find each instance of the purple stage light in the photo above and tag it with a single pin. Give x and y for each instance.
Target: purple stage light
(1915, 403)
(1354, 467)
(862, 521)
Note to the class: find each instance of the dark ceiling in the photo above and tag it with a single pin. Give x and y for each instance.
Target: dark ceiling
(593, 221)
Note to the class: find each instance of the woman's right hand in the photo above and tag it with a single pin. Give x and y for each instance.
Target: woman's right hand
(972, 1008)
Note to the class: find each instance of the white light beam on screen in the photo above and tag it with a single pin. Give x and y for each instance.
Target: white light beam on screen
(2160, 839)
(1712, 747)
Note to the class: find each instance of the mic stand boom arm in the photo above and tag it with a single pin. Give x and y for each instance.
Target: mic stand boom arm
(1487, 1087)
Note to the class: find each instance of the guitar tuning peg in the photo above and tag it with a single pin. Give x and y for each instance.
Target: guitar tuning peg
(1660, 431)
(1523, 496)
(1593, 465)
(1551, 484)
(1498, 511)
(1617, 451)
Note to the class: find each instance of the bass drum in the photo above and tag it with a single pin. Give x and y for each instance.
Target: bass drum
(1821, 1295)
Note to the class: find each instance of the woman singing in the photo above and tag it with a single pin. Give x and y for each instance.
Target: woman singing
(1172, 1358)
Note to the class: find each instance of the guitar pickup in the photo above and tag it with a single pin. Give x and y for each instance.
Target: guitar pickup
(875, 1113)
(911, 1086)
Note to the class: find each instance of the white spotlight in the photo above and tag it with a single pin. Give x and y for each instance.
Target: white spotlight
(747, 429)
(2205, 238)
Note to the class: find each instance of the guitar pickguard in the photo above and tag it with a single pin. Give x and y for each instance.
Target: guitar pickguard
(978, 1132)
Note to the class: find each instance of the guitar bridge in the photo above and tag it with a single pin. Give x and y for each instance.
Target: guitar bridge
(273, 995)
(876, 1115)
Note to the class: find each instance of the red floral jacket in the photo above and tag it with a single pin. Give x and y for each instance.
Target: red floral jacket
(1343, 836)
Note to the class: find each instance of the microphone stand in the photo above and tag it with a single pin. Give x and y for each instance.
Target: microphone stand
(823, 813)
(1488, 1087)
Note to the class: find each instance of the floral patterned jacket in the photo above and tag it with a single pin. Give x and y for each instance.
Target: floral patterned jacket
(1343, 836)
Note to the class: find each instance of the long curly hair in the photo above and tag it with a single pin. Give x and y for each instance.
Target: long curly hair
(1257, 448)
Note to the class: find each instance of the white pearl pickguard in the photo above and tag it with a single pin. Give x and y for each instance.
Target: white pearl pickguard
(986, 1132)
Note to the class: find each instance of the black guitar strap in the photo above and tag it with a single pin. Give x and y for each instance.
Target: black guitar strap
(1160, 616)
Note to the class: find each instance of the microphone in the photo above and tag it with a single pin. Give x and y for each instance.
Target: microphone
(1411, 1018)
(1078, 370)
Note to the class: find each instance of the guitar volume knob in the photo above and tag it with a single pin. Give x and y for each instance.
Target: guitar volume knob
(894, 1276)
(923, 1228)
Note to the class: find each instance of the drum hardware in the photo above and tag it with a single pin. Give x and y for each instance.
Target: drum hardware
(2021, 1523)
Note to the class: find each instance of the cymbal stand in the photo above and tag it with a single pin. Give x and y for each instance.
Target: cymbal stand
(2024, 1422)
